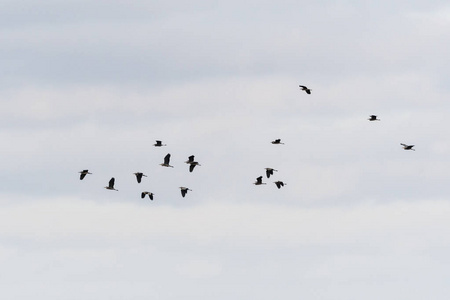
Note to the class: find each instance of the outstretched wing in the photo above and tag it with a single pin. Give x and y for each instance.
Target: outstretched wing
(167, 159)
(111, 183)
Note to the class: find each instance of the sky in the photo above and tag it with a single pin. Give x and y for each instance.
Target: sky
(92, 85)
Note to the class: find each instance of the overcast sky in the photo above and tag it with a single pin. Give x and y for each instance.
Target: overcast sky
(92, 85)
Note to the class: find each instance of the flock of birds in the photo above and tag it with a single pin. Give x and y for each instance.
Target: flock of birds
(166, 163)
(192, 163)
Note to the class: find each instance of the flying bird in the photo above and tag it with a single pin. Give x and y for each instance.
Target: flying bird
(277, 142)
(139, 176)
(258, 181)
(150, 195)
(83, 174)
(184, 190)
(269, 171)
(373, 118)
(304, 88)
(192, 163)
(166, 161)
(159, 144)
(408, 147)
(279, 184)
(111, 185)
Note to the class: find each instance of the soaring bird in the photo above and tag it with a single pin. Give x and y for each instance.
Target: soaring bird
(258, 181)
(269, 171)
(83, 174)
(304, 88)
(139, 176)
(111, 185)
(159, 144)
(408, 147)
(192, 163)
(166, 161)
(150, 195)
(277, 142)
(279, 184)
(373, 118)
(184, 190)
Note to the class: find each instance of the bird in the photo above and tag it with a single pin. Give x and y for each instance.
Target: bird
(139, 176)
(277, 142)
(184, 190)
(279, 184)
(373, 118)
(111, 185)
(83, 174)
(192, 163)
(159, 144)
(150, 195)
(258, 181)
(166, 161)
(304, 88)
(192, 166)
(408, 147)
(269, 171)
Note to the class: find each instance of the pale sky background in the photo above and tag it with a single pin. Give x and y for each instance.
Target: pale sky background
(92, 85)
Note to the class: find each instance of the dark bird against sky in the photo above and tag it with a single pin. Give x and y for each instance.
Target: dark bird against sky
(408, 147)
(159, 144)
(83, 174)
(184, 190)
(304, 88)
(166, 162)
(139, 176)
(111, 185)
(277, 142)
(150, 195)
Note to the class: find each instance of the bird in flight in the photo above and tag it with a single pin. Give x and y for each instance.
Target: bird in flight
(139, 176)
(269, 171)
(373, 118)
(408, 147)
(192, 163)
(150, 195)
(166, 161)
(304, 88)
(277, 142)
(258, 181)
(159, 144)
(184, 190)
(279, 184)
(83, 174)
(111, 185)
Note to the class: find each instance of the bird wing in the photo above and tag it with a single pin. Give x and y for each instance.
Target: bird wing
(183, 192)
(191, 158)
(151, 196)
(143, 195)
(139, 177)
(111, 182)
(158, 143)
(82, 175)
(303, 87)
(167, 159)
(268, 173)
(191, 167)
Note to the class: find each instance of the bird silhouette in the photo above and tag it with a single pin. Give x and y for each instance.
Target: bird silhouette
(83, 174)
(304, 88)
(111, 185)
